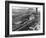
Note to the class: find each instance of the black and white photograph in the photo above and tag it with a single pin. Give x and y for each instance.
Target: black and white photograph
(25, 18)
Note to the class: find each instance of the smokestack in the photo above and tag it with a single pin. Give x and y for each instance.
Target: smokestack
(36, 10)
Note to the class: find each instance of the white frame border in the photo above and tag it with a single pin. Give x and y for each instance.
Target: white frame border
(25, 32)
